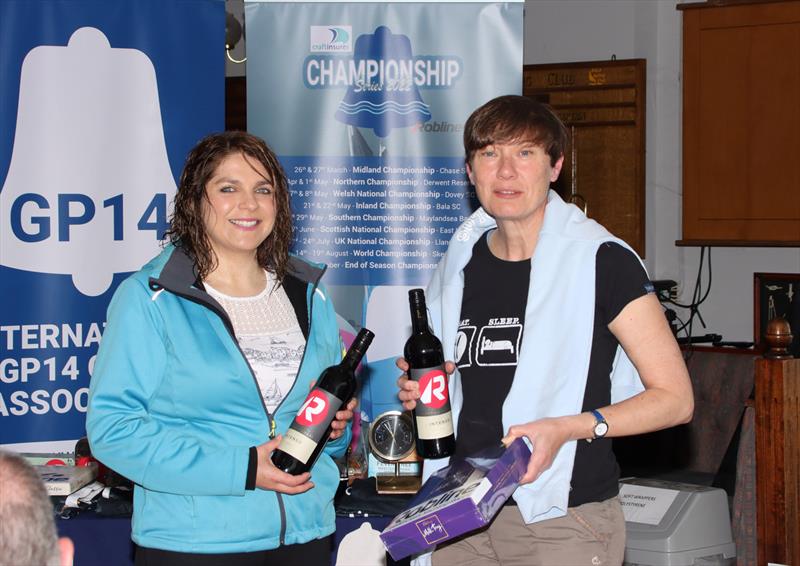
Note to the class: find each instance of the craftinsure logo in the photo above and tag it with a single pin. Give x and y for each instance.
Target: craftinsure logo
(331, 39)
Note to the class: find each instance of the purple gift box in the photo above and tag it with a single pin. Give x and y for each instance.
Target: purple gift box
(457, 499)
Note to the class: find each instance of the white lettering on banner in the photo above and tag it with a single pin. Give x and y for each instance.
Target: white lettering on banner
(21, 370)
(65, 335)
(329, 71)
(40, 402)
(36, 371)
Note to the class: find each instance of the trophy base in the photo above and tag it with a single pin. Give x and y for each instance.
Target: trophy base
(397, 484)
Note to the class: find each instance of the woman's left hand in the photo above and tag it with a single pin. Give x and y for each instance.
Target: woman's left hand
(546, 436)
(343, 416)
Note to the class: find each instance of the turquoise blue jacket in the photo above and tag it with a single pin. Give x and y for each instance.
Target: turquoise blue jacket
(175, 407)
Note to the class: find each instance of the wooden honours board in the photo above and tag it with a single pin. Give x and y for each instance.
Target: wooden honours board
(602, 105)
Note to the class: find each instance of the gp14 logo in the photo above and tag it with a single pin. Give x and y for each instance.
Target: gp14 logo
(89, 198)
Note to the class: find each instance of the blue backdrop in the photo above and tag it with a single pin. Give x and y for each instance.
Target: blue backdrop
(100, 102)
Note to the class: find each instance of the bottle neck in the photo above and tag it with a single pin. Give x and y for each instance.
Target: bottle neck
(357, 349)
(352, 358)
(419, 318)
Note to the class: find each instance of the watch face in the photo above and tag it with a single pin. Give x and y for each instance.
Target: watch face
(600, 429)
(391, 436)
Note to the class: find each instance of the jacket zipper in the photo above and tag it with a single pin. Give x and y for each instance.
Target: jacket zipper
(315, 284)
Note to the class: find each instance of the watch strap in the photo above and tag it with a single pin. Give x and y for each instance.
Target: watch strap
(598, 418)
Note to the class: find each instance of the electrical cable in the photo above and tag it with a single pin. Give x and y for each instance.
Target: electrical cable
(696, 300)
(699, 296)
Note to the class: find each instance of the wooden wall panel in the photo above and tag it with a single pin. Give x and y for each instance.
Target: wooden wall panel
(741, 124)
(778, 460)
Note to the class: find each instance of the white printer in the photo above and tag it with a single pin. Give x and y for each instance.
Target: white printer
(675, 524)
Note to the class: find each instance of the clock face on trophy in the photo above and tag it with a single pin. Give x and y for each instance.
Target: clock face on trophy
(391, 440)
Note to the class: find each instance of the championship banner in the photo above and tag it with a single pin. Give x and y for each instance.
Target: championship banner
(100, 101)
(365, 104)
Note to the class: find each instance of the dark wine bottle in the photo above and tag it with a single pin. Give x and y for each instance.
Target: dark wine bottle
(433, 420)
(308, 433)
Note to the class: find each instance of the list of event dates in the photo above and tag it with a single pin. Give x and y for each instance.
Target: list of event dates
(375, 223)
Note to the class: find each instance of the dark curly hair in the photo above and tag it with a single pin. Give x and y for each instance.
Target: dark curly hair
(188, 229)
(513, 118)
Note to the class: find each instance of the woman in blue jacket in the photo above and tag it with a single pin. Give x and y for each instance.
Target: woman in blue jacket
(209, 351)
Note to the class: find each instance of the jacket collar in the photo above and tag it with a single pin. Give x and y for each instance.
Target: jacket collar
(179, 272)
(178, 275)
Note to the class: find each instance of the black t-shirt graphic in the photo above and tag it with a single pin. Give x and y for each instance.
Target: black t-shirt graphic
(487, 344)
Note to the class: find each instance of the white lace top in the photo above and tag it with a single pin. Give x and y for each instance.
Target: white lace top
(269, 335)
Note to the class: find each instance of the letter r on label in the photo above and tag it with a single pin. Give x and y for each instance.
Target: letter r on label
(313, 410)
(434, 389)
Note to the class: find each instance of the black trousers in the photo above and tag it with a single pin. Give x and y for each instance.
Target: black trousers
(312, 553)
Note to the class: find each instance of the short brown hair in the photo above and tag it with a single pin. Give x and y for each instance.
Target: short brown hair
(513, 118)
(188, 229)
(27, 527)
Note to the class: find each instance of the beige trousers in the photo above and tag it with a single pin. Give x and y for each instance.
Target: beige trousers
(592, 534)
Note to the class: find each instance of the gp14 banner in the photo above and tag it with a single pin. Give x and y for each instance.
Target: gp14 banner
(365, 104)
(100, 101)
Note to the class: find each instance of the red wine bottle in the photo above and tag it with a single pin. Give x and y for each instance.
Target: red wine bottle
(433, 420)
(308, 433)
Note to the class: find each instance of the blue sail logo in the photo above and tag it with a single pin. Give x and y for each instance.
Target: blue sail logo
(383, 80)
(339, 35)
(331, 39)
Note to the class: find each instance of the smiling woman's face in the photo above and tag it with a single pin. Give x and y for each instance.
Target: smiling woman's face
(240, 211)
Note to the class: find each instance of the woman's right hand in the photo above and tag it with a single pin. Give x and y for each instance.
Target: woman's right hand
(409, 389)
(270, 477)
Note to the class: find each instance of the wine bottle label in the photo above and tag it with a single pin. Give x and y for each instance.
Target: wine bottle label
(431, 428)
(310, 424)
(434, 419)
